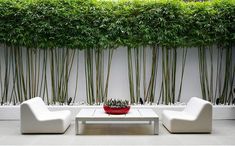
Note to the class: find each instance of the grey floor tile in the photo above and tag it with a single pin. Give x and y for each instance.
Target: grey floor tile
(106, 134)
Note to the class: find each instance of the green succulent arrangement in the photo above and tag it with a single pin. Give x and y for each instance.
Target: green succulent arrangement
(117, 103)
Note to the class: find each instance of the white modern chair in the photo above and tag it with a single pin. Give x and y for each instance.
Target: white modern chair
(36, 118)
(195, 118)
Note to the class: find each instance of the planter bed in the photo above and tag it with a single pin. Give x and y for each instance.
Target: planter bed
(219, 111)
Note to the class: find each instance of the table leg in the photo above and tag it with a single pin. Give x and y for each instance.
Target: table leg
(156, 126)
(76, 126)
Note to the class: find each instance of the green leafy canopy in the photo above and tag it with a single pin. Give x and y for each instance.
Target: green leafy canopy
(88, 24)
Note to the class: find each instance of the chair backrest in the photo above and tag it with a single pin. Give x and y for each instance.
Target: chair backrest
(35, 105)
(197, 106)
(30, 111)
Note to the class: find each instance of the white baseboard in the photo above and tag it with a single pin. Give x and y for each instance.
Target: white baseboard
(219, 112)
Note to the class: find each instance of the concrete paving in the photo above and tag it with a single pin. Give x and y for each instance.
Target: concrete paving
(118, 134)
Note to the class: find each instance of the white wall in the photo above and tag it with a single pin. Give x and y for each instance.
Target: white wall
(119, 84)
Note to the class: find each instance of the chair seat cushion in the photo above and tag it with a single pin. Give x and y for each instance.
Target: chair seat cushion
(195, 118)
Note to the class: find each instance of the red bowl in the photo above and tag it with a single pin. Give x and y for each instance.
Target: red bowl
(116, 111)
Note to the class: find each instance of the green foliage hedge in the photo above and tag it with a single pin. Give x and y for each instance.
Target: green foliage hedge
(84, 24)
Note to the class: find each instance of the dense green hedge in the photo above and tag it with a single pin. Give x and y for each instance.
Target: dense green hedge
(107, 24)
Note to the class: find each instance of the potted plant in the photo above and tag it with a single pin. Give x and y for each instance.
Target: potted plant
(116, 106)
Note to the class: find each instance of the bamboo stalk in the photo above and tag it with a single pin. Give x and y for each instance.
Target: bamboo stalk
(64, 73)
(110, 56)
(21, 73)
(70, 65)
(18, 81)
(211, 75)
(59, 61)
(89, 75)
(170, 75)
(101, 77)
(24, 86)
(152, 78)
(52, 75)
(64, 85)
(77, 70)
(220, 74)
(156, 56)
(205, 66)
(174, 63)
(152, 81)
(86, 76)
(43, 72)
(227, 75)
(144, 74)
(182, 72)
(42, 80)
(38, 72)
(32, 74)
(97, 57)
(28, 72)
(160, 98)
(218, 66)
(230, 98)
(7, 72)
(201, 70)
(167, 79)
(164, 76)
(1, 82)
(130, 74)
(137, 71)
(13, 92)
(45, 76)
(34, 55)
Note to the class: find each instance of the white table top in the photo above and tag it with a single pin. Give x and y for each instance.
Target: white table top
(132, 114)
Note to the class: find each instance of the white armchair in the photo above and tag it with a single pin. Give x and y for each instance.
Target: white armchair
(195, 118)
(36, 118)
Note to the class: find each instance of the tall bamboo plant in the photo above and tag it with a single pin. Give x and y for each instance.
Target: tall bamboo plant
(19, 87)
(37, 25)
(134, 69)
(216, 88)
(149, 93)
(23, 77)
(137, 73)
(5, 73)
(61, 63)
(29, 76)
(169, 74)
(88, 56)
(97, 90)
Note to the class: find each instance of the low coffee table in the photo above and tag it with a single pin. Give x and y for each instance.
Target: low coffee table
(135, 114)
